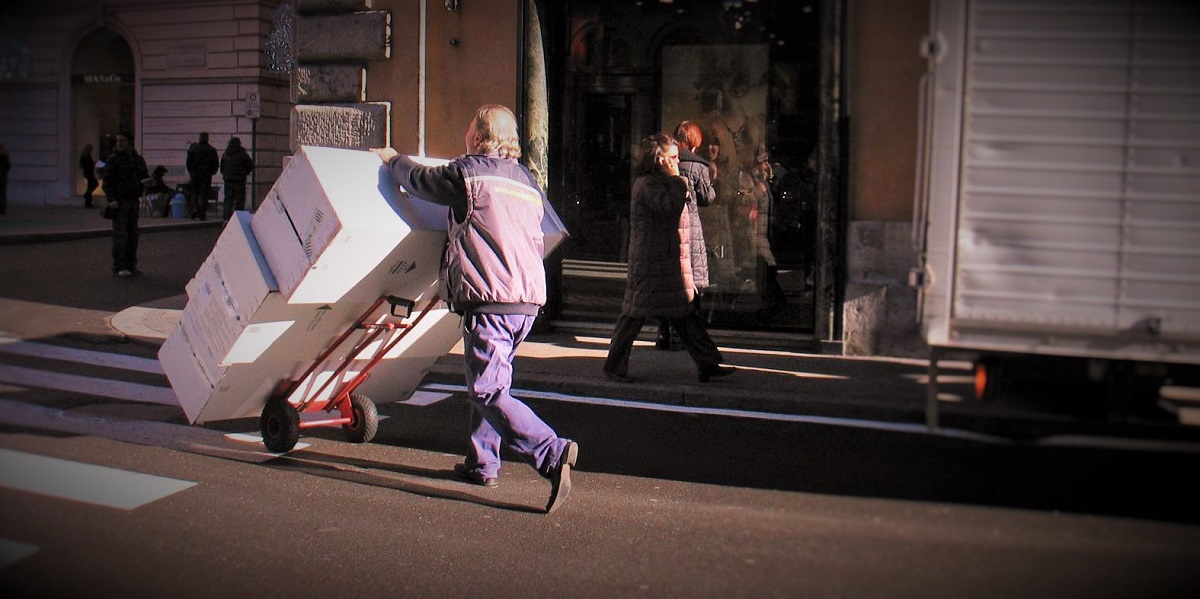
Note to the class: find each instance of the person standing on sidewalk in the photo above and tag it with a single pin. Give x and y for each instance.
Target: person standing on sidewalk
(87, 164)
(492, 274)
(655, 287)
(236, 165)
(201, 165)
(123, 173)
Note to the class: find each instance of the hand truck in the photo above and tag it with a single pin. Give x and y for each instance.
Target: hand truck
(357, 414)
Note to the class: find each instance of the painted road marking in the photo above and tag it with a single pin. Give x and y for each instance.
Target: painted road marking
(87, 483)
(899, 427)
(9, 345)
(12, 552)
(1092, 442)
(257, 440)
(424, 398)
(42, 379)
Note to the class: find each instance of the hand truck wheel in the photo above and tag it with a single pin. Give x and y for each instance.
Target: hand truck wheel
(280, 425)
(364, 420)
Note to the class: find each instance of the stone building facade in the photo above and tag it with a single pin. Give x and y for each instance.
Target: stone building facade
(163, 72)
(837, 81)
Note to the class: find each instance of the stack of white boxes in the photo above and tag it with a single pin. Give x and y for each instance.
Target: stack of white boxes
(333, 236)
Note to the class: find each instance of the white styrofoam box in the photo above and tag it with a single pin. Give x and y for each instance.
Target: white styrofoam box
(334, 214)
(241, 266)
(335, 234)
(225, 296)
(330, 219)
(281, 341)
(191, 386)
(403, 368)
(229, 323)
(233, 317)
(243, 389)
(280, 246)
(205, 342)
(398, 373)
(255, 340)
(242, 392)
(238, 265)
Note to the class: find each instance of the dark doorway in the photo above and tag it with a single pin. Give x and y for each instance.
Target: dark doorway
(750, 74)
(103, 98)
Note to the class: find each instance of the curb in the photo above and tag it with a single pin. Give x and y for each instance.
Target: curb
(44, 236)
(145, 325)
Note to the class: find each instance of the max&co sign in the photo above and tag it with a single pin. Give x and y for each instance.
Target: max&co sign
(103, 78)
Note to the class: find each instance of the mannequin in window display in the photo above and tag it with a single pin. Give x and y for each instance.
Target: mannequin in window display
(760, 271)
(739, 137)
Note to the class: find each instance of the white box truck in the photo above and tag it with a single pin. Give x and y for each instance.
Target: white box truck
(1057, 213)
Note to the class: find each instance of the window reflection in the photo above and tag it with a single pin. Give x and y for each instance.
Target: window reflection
(747, 72)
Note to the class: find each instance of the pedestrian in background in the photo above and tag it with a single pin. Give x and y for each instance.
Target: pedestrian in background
(693, 252)
(158, 193)
(87, 164)
(236, 165)
(123, 173)
(654, 286)
(5, 166)
(493, 275)
(201, 165)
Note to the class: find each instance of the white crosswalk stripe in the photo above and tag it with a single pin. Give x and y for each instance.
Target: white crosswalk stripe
(53, 372)
(87, 483)
(12, 552)
(41, 379)
(82, 356)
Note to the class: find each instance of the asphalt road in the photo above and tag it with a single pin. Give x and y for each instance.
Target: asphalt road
(78, 273)
(666, 504)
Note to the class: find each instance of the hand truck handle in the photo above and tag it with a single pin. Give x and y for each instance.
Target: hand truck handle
(399, 302)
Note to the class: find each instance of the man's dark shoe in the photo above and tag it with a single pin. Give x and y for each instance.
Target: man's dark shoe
(560, 477)
(475, 477)
(715, 371)
(619, 378)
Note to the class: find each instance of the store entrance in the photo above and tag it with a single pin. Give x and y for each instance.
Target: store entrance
(102, 96)
(749, 76)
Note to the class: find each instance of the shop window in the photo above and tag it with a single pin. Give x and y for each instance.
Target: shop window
(748, 73)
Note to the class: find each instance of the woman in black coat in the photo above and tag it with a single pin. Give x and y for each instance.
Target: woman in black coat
(655, 287)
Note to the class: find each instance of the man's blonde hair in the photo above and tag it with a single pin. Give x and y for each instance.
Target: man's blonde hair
(497, 128)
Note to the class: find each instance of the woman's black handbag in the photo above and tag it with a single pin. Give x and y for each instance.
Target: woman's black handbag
(109, 211)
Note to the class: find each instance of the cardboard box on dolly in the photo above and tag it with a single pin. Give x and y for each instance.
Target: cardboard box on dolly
(332, 280)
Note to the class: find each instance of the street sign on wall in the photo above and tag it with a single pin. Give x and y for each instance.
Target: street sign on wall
(253, 105)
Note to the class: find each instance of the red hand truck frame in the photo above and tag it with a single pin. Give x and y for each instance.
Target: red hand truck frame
(358, 416)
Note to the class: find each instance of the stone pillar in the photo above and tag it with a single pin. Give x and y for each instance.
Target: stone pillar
(879, 314)
(537, 112)
(336, 40)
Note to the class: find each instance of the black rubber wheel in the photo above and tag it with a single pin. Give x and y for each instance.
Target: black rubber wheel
(365, 420)
(280, 426)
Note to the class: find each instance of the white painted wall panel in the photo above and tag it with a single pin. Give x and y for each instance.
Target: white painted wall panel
(1075, 206)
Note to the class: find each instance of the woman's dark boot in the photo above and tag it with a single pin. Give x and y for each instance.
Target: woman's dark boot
(663, 340)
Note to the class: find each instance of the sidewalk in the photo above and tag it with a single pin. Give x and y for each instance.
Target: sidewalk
(556, 362)
(60, 221)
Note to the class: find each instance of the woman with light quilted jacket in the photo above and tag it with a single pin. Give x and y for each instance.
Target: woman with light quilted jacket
(694, 254)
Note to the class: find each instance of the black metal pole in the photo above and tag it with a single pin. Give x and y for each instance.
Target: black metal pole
(254, 157)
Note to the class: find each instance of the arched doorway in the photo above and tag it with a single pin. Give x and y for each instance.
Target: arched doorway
(102, 95)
